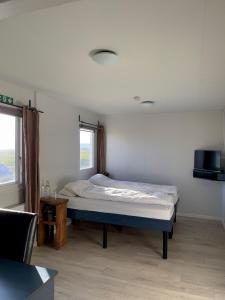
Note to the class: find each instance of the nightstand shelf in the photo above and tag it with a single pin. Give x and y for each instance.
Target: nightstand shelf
(49, 222)
(57, 224)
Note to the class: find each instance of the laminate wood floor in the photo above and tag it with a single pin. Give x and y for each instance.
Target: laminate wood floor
(132, 268)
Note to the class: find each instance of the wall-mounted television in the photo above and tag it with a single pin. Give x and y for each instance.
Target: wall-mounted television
(208, 160)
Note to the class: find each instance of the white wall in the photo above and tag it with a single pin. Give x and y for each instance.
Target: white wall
(59, 140)
(159, 148)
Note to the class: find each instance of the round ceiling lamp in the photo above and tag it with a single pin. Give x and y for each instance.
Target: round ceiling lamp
(104, 57)
(147, 103)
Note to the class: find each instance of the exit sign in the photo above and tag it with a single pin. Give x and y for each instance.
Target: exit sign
(6, 99)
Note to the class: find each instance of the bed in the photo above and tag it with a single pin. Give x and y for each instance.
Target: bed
(102, 180)
(151, 215)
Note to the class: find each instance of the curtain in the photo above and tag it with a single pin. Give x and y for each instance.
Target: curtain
(101, 150)
(31, 159)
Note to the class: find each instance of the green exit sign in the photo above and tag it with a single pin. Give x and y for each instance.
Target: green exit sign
(6, 99)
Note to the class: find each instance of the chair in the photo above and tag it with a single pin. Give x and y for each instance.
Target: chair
(17, 232)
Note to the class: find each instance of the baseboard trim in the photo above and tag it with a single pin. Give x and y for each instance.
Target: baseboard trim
(223, 222)
(204, 217)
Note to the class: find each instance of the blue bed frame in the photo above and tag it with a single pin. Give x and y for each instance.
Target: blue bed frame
(166, 226)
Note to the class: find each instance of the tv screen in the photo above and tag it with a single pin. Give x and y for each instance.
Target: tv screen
(207, 160)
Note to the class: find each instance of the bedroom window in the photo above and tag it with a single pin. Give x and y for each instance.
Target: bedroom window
(10, 141)
(86, 149)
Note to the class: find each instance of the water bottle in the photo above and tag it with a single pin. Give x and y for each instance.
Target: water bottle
(42, 189)
(47, 189)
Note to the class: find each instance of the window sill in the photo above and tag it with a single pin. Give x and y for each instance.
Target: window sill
(18, 207)
(10, 186)
(87, 169)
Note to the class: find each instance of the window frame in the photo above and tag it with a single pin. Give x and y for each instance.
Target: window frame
(18, 148)
(91, 130)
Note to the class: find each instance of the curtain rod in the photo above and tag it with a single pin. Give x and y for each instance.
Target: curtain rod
(20, 106)
(90, 124)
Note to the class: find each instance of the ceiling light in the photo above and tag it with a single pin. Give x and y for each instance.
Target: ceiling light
(147, 103)
(104, 57)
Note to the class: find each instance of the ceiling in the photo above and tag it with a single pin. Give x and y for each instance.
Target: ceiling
(171, 52)
(10, 8)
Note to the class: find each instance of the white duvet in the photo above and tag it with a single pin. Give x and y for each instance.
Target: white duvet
(86, 189)
(102, 180)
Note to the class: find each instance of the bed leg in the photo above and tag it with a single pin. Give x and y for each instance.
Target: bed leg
(171, 234)
(165, 244)
(104, 244)
(175, 217)
(119, 228)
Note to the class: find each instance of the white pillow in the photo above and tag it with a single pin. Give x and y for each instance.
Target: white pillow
(76, 186)
(66, 193)
(100, 179)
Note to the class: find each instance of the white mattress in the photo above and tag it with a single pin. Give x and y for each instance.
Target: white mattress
(162, 212)
(175, 198)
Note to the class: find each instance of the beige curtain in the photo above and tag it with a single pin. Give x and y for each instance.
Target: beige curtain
(101, 150)
(31, 159)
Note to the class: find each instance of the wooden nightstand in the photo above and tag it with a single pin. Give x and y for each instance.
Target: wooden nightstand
(56, 222)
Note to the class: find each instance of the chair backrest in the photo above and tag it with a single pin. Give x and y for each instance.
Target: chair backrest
(17, 232)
